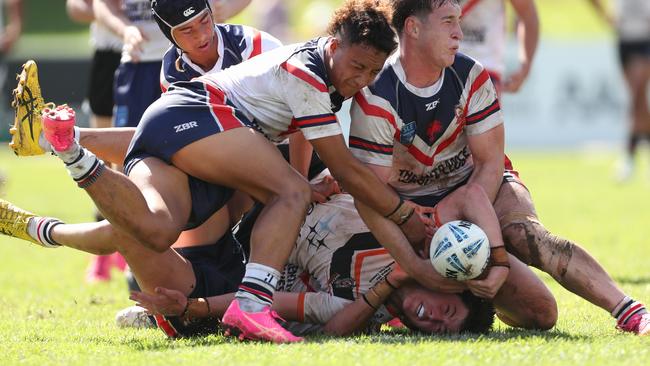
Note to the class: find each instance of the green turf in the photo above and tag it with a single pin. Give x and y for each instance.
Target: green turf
(49, 316)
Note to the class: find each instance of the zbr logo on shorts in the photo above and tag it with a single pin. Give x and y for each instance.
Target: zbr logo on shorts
(185, 126)
(189, 11)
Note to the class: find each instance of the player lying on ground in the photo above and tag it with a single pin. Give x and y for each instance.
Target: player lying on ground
(430, 124)
(335, 262)
(165, 201)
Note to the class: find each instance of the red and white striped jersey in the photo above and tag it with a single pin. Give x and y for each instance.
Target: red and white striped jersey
(284, 90)
(421, 133)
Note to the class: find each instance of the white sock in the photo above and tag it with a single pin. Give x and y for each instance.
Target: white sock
(257, 287)
(40, 229)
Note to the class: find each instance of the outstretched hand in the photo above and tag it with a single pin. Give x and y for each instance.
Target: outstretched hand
(164, 301)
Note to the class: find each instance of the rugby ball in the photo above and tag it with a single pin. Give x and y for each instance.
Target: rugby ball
(459, 250)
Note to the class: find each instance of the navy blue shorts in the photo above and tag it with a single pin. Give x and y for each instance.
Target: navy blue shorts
(101, 80)
(137, 85)
(628, 50)
(187, 112)
(218, 268)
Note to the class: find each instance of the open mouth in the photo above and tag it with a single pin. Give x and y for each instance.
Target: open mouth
(419, 312)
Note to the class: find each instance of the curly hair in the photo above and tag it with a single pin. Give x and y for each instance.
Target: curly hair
(403, 9)
(364, 22)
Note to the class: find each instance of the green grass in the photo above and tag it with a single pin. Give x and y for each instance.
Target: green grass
(49, 316)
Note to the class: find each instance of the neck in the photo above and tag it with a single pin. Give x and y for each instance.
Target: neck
(419, 71)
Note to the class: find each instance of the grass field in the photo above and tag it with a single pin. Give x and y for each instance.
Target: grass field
(49, 316)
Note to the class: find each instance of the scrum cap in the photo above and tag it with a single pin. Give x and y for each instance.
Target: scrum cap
(170, 14)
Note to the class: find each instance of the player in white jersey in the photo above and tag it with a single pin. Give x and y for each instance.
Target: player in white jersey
(460, 139)
(632, 24)
(339, 280)
(484, 29)
(349, 59)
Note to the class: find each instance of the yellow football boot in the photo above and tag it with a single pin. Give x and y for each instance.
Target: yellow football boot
(28, 104)
(13, 221)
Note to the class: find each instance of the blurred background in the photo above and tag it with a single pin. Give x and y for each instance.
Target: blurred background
(574, 95)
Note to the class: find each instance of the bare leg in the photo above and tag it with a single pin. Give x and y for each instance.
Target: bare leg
(564, 260)
(152, 269)
(260, 171)
(524, 301)
(637, 77)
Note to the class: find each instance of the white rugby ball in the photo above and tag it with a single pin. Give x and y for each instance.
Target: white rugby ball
(459, 250)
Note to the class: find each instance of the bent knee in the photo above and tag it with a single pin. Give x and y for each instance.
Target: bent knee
(545, 316)
(158, 238)
(297, 192)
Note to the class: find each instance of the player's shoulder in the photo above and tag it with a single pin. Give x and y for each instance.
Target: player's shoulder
(308, 58)
(465, 66)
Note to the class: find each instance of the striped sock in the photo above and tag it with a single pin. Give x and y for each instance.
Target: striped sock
(40, 228)
(626, 309)
(256, 289)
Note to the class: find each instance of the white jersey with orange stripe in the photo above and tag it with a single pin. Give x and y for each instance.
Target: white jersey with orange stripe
(336, 259)
(421, 133)
(284, 90)
(484, 32)
(235, 44)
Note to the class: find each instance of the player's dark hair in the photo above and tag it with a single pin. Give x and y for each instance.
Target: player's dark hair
(403, 9)
(364, 22)
(480, 317)
(481, 314)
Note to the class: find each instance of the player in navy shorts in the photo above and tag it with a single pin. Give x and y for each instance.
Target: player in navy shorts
(230, 154)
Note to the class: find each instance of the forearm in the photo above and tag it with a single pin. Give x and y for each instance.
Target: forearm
(300, 151)
(528, 36)
(354, 317)
(489, 176)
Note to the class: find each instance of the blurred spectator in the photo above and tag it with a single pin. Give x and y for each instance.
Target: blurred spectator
(632, 23)
(106, 58)
(223, 10)
(8, 37)
(484, 30)
(273, 17)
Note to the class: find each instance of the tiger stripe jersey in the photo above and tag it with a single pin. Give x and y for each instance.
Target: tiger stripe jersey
(421, 133)
(336, 259)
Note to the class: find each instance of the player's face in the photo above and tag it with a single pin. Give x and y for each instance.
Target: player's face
(440, 34)
(432, 312)
(197, 38)
(352, 67)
